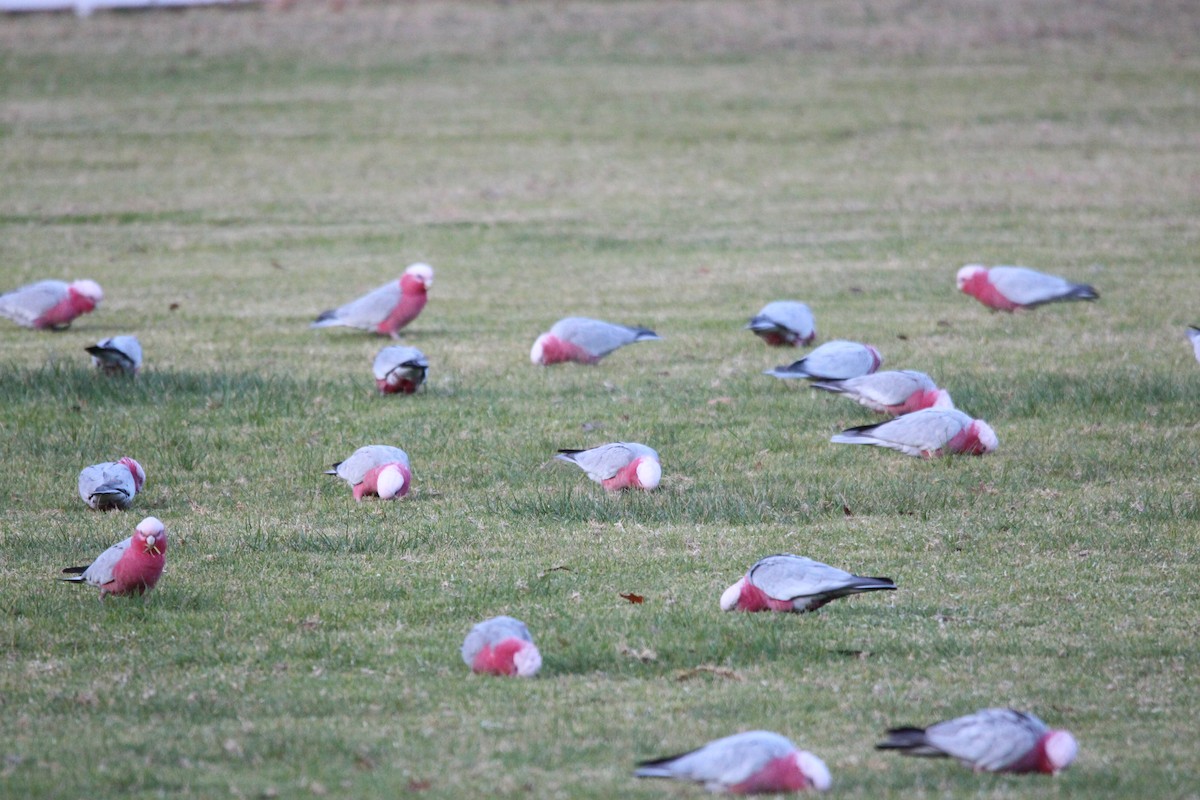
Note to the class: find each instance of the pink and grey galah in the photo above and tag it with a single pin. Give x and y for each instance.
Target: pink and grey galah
(1193, 334)
(131, 566)
(618, 465)
(838, 360)
(1010, 288)
(584, 341)
(376, 470)
(784, 323)
(754, 762)
(501, 646)
(112, 484)
(926, 433)
(50, 304)
(399, 370)
(992, 740)
(794, 583)
(117, 355)
(892, 392)
(387, 309)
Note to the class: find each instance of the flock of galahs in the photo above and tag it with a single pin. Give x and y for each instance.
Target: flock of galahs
(922, 422)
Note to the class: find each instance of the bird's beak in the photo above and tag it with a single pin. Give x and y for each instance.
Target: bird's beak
(151, 547)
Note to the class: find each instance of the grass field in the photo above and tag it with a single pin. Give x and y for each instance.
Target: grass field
(228, 175)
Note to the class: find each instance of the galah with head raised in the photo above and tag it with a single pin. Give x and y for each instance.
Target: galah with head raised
(992, 740)
(618, 465)
(784, 323)
(400, 370)
(112, 484)
(833, 361)
(117, 355)
(892, 392)
(1193, 334)
(794, 583)
(927, 433)
(754, 762)
(1010, 288)
(501, 646)
(50, 304)
(584, 340)
(375, 470)
(387, 309)
(131, 566)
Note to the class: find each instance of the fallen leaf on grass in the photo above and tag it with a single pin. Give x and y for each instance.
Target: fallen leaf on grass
(859, 654)
(725, 401)
(707, 669)
(555, 568)
(846, 510)
(636, 599)
(415, 785)
(645, 656)
(173, 307)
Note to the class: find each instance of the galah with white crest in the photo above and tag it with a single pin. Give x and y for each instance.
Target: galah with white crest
(387, 309)
(400, 370)
(794, 583)
(892, 392)
(375, 470)
(618, 465)
(1193, 334)
(584, 340)
(50, 304)
(992, 740)
(112, 484)
(784, 323)
(1010, 288)
(838, 360)
(754, 762)
(927, 433)
(501, 646)
(117, 355)
(131, 566)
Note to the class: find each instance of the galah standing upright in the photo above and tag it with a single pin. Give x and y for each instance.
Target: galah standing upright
(50, 304)
(399, 370)
(131, 566)
(754, 762)
(501, 646)
(1193, 334)
(117, 355)
(112, 484)
(784, 323)
(992, 740)
(930, 432)
(838, 360)
(893, 392)
(1010, 288)
(618, 465)
(794, 583)
(584, 340)
(387, 309)
(375, 469)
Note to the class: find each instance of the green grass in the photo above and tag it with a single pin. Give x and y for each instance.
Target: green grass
(669, 164)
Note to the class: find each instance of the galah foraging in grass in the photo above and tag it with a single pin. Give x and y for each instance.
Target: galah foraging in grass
(927, 433)
(375, 470)
(400, 370)
(117, 355)
(1010, 288)
(992, 740)
(618, 465)
(50, 304)
(387, 309)
(754, 762)
(892, 392)
(584, 340)
(838, 360)
(784, 323)
(794, 583)
(131, 566)
(501, 646)
(1193, 334)
(112, 484)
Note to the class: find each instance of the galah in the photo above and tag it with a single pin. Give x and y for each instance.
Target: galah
(833, 361)
(376, 469)
(501, 646)
(1010, 288)
(584, 340)
(117, 355)
(387, 309)
(784, 323)
(1193, 334)
(754, 762)
(618, 465)
(892, 392)
(131, 566)
(794, 583)
(112, 484)
(992, 740)
(50, 304)
(400, 370)
(927, 433)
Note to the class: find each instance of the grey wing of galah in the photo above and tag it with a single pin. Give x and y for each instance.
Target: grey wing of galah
(111, 482)
(491, 632)
(785, 577)
(881, 389)
(1193, 334)
(26, 304)
(124, 352)
(603, 462)
(836, 360)
(100, 571)
(390, 359)
(990, 739)
(1028, 287)
(722, 762)
(916, 433)
(789, 314)
(598, 337)
(366, 312)
(365, 459)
